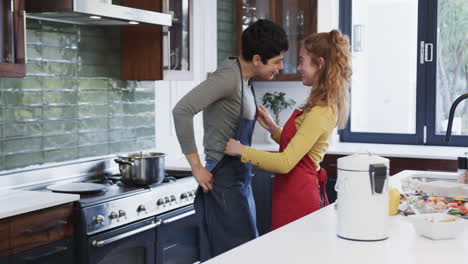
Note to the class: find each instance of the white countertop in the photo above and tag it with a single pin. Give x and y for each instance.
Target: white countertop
(15, 202)
(312, 239)
(386, 150)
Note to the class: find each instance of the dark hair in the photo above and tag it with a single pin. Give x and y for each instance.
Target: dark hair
(264, 38)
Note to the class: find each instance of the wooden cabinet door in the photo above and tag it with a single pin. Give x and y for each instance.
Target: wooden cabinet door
(4, 237)
(12, 40)
(142, 46)
(41, 227)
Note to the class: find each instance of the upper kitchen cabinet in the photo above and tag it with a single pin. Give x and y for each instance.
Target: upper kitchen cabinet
(297, 17)
(155, 52)
(142, 52)
(177, 55)
(12, 40)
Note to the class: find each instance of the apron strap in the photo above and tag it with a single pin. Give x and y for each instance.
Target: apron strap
(322, 181)
(241, 115)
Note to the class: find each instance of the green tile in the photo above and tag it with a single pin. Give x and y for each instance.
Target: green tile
(33, 36)
(59, 39)
(146, 95)
(93, 97)
(145, 131)
(34, 67)
(145, 84)
(88, 125)
(14, 98)
(23, 159)
(2, 160)
(94, 71)
(116, 109)
(60, 112)
(21, 130)
(33, 24)
(60, 127)
(22, 114)
(61, 68)
(119, 85)
(60, 27)
(60, 154)
(93, 110)
(123, 146)
(121, 134)
(95, 44)
(118, 122)
(90, 57)
(60, 141)
(60, 54)
(145, 143)
(34, 52)
(93, 150)
(29, 82)
(60, 83)
(142, 120)
(93, 138)
(93, 83)
(63, 97)
(140, 108)
(12, 146)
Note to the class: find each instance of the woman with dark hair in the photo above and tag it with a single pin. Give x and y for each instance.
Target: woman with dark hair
(299, 185)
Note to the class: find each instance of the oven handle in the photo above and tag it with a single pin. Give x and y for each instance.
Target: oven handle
(104, 242)
(175, 218)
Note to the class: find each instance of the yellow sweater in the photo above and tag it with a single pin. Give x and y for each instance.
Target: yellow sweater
(313, 131)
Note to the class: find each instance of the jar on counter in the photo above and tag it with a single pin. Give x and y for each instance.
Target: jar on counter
(462, 170)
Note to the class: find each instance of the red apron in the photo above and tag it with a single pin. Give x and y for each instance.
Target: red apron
(296, 194)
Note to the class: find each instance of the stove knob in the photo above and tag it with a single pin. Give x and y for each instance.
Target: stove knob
(173, 198)
(98, 219)
(113, 215)
(166, 200)
(122, 213)
(141, 208)
(184, 196)
(160, 201)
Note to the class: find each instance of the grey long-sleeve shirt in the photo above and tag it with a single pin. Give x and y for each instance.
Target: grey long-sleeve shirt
(219, 97)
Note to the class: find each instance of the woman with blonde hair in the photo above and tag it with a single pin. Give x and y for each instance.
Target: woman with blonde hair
(299, 185)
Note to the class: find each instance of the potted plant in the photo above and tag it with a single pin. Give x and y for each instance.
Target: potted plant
(277, 102)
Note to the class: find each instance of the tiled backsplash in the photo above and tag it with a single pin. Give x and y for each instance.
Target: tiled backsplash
(72, 104)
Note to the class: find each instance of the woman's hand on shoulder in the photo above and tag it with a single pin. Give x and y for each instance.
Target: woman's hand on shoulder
(233, 148)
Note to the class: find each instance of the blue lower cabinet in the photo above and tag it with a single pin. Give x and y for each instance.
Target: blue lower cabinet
(58, 252)
(262, 187)
(4, 260)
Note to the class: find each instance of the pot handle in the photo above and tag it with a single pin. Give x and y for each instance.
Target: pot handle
(121, 161)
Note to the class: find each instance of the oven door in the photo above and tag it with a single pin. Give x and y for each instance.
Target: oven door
(132, 243)
(177, 238)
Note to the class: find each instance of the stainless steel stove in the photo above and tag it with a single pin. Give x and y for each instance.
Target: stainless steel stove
(121, 205)
(132, 224)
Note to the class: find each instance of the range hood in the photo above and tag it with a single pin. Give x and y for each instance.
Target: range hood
(93, 12)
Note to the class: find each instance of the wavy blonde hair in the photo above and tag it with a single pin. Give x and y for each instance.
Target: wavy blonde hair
(334, 77)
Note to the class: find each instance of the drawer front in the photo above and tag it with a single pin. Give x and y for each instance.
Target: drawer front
(41, 227)
(4, 237)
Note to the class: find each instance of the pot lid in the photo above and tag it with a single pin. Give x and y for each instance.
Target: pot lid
(77, 187)
(361, 162)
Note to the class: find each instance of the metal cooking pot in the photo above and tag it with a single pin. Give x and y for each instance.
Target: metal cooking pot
(142, 168)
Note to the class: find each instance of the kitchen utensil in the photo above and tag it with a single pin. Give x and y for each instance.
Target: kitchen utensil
(437, 226)
(362, 188)
(77, 187)
(142, 168)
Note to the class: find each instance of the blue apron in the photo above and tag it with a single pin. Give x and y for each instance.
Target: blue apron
(227, 212)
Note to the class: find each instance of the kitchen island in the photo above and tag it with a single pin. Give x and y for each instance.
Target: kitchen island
(312, 239)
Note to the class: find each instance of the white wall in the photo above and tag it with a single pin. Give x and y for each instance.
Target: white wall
(168, 93)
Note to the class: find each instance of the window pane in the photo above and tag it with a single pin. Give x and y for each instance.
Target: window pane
(452, 64)
(384, 46)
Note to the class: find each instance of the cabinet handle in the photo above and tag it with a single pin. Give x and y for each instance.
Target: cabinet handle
(46, 228)
(55, 251)
(175, 218)
(101, 243)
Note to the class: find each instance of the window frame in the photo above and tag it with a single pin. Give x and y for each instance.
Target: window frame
(425, 86)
